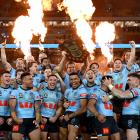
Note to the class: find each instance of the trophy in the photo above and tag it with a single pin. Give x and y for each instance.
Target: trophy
(74, 49)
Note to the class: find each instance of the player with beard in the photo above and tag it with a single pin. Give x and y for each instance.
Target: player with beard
(75, 103)
(131, 105)
(105, 124)
(88, 119)
(95, 68)
(25, 110)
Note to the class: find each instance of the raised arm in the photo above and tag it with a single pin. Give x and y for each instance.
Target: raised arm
(7, 66)
(63, 87)
(61, 65)
(84, 67)
(117, 92)
(132, 54)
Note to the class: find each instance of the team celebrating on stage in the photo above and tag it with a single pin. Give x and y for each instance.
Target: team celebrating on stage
(39, 99)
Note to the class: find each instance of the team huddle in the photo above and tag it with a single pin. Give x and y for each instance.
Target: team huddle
(40, 100)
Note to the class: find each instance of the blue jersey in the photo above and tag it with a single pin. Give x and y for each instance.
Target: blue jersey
(120, 78)
(67, 79)
(135, 67)
(105, 109)
(50, 99)
(37, 78)
(98, 79)
(4, 98)
(132, 106)
(91, 90)
(58, 86)
(73, 96)
(25, 102)
(12, 73)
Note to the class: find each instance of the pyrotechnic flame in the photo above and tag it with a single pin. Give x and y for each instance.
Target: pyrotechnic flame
(84, 31)
(104, 35)
(26, 26)
(18, 0)
(23, 34)
(80, 11)
(78, 8)
(47, 5)
(36, 14)
(92, 57)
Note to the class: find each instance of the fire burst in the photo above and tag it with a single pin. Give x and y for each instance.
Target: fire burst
(26, 26)
(80, 11)
(104, 35)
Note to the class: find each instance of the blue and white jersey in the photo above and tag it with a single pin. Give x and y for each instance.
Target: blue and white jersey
(12, 73)
(25, 102)
(73, 96)
(4, 99)
(67, 79)
(120, 78)
(50, 100)
(91, 90)
(135, 67)
(105, 109)
(98, 79)
(44, 84)
(37, 80)
(58, 85)
(132, 106)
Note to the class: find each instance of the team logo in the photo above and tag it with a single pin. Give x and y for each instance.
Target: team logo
(20, 95)
(45, 95)
(106, 131)
(31, 95)
(0, 93)
(15, 128)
